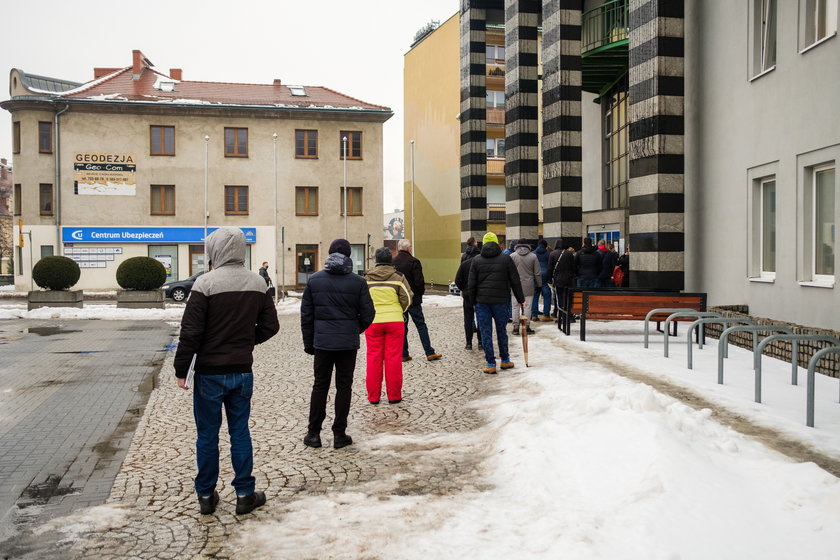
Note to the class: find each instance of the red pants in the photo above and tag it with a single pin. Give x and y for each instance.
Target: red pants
(384, 352)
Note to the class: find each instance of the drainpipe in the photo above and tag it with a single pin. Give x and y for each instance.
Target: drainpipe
(57, 187)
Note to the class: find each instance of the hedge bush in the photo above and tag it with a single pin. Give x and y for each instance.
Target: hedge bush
(141, 273)
(56, 273)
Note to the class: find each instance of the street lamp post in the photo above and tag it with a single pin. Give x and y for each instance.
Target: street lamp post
(274, 137)
(344, 144)
(413, 239)
(206, 179)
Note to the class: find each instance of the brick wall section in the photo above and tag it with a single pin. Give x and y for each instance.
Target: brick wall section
(829, 365)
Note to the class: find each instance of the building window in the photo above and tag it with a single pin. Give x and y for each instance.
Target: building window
(47, 251)
(354, 201)
(45, 199)
(162, 200)
(768, 227)
(823, 218)
(616, 158)
(236, 142)
(162, 140)
(18, 205)
(306, 144)
(495, 54)
(45, 137)
(306, 201)
(16, 137)
(236, 200)
(764, 36)
(496, 148)
(495, 98)
(354, 144)
(818, 21)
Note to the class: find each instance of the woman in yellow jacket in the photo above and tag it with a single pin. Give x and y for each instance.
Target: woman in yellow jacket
(391, 297)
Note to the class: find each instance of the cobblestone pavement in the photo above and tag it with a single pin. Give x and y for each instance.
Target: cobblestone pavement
(158, 514)
(71, 393)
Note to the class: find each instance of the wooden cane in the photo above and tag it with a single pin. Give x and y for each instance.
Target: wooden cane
(523, 330)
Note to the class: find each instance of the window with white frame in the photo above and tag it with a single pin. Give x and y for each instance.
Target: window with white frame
(495, 98)
(495, 54)
(496, 147)
(824, 223)
(817, 20)
(768, 227)
(763, 44)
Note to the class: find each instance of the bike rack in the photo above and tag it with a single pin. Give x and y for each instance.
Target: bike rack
(703, 321)
(660, 311)
(723, 345)
(794, 355)
(812, 365)
(701, 314)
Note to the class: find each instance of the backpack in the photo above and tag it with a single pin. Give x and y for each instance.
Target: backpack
(618, 276)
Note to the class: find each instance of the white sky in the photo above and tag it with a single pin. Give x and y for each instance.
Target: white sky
(353, 47)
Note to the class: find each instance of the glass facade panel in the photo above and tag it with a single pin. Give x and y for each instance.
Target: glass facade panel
(616, 158)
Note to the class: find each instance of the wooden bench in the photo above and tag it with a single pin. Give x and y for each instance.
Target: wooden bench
(624, 305)
(570, 302)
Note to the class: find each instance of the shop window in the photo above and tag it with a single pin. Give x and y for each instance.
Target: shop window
(45, 137)
(162, 200)
(45, 199)
(306, 201)
(354, 144)
(236, 200)
(162, 140)
(306, 144)
(236, 142)
(354, 201)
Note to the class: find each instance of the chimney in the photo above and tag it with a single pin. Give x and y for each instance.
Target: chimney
(176, 73)
(277, 82)
(136, 64)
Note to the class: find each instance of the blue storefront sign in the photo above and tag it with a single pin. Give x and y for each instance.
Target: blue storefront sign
(155, 236)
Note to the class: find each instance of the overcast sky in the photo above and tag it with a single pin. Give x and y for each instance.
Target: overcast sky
(353, 46)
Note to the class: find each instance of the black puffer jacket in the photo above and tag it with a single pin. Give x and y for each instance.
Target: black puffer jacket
(411, 268)
(588, 263)
(492, 277)
(336, 307)
(564, 272)
(608, 261)
(463, 273)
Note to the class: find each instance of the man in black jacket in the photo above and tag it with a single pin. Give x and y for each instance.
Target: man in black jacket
(336, 308)
(228, 312)
(469, 308)
(410, 267)
(588, 264)
(492, 277)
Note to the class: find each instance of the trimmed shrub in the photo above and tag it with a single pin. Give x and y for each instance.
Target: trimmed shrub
(56, 273)
(141, 273)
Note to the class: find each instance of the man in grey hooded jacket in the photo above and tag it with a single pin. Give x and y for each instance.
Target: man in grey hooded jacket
(530, 275)
(227, 313)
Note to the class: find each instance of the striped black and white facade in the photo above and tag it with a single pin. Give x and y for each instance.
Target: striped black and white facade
(561, 140)
(657, 161)
(473, 121)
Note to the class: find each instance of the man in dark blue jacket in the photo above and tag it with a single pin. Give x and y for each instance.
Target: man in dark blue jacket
(336, 308)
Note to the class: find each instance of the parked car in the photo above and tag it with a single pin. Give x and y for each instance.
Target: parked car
(180, 289)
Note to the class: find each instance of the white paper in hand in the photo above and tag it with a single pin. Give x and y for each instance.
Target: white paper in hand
(190, 373)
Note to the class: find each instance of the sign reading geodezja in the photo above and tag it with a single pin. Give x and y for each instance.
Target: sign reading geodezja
(155, 236)
(105, 173)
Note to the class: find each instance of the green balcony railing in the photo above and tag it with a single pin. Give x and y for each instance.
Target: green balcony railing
(604, 25)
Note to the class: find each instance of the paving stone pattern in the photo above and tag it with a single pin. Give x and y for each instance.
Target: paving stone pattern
(155, 481)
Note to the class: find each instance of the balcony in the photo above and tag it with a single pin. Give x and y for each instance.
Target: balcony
(604, 46)
(495, 211)
(495, 166)
(496, 115)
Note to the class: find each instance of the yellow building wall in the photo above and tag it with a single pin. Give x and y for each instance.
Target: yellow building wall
(432, 103)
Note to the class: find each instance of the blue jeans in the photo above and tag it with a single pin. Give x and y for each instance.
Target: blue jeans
(416, 314)
(488, 314)
(587, 283)
(545, 291)
(211, 392)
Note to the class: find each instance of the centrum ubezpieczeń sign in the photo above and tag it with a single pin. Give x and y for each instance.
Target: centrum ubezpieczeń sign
(103, 173)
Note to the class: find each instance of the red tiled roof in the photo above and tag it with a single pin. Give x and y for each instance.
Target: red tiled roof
(121, 86)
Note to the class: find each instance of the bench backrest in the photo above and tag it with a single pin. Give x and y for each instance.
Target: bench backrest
(634, 305)
(574, 296)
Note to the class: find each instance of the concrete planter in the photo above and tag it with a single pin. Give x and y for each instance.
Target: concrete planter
(55, 298)
(140, 299)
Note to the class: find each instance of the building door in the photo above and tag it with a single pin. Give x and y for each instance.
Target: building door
(609, 233)
(196, 259)
(307, 259)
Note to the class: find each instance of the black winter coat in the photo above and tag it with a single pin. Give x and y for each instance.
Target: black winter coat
(336, 307)
(608, 262)
(412, 269)
(463, 273)
(588, 263)
(564, 272)
(492, 277)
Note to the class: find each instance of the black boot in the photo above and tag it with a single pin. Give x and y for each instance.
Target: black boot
(342, 440)
(247, 504)
(312, 440)
(207, 504)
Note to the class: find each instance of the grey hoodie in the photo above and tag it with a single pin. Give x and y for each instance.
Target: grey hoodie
(528, 267)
